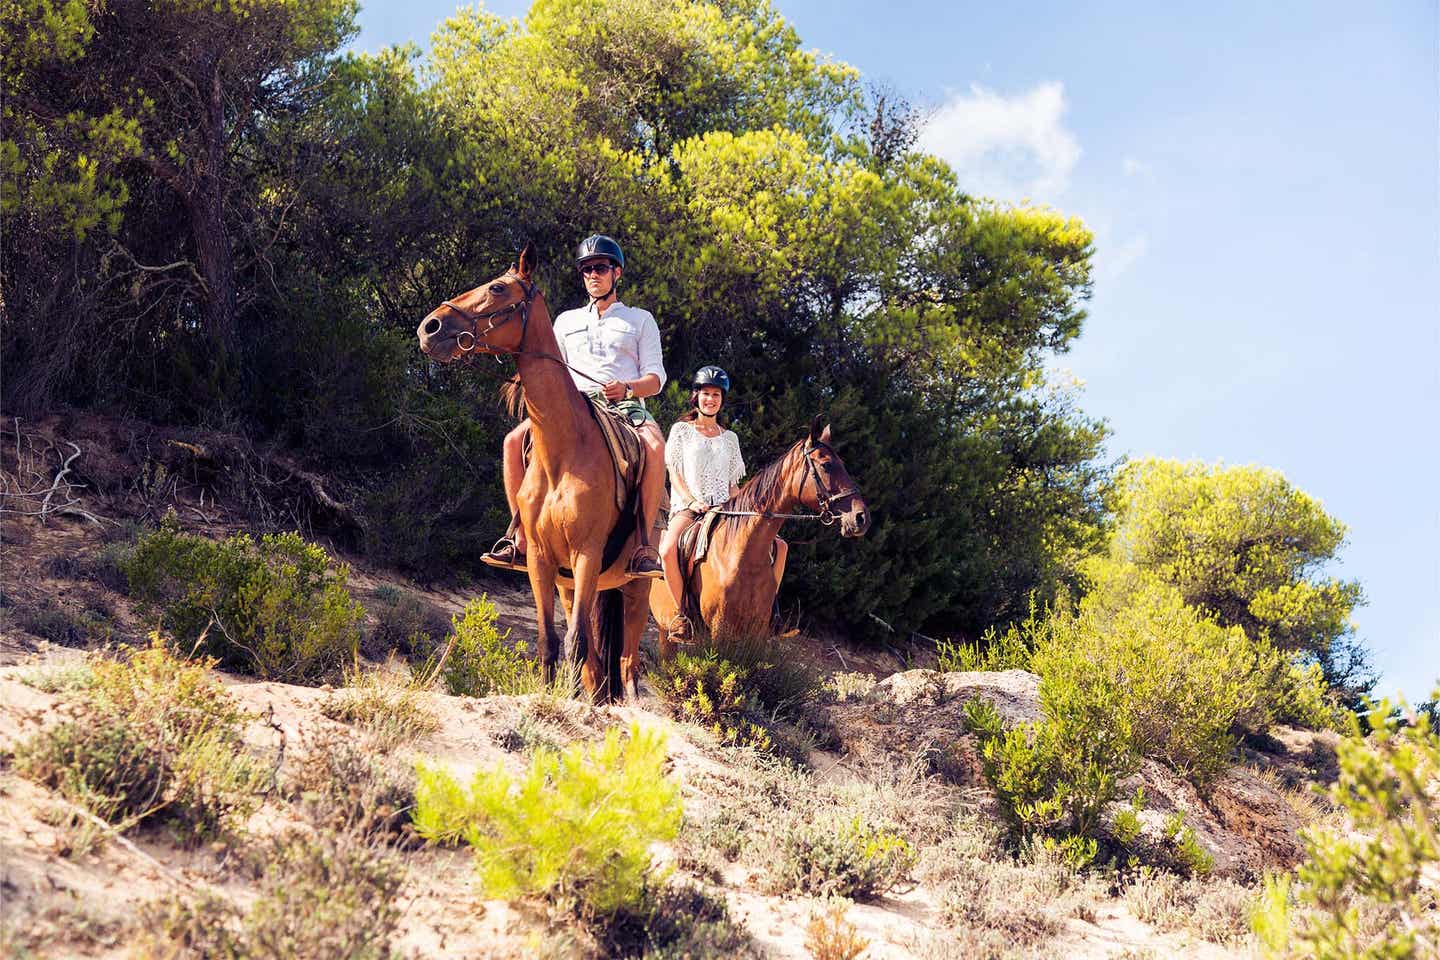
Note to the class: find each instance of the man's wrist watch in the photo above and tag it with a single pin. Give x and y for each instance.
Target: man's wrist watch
(629, 391)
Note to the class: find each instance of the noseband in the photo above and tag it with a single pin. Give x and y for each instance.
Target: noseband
(493, 321)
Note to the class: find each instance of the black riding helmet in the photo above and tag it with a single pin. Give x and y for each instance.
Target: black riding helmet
(711, 376)
(599, 245)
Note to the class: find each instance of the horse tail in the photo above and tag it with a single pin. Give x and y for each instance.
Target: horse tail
(612, 642)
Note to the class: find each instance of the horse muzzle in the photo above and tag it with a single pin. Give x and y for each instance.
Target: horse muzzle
(439, 340)
(855, 519)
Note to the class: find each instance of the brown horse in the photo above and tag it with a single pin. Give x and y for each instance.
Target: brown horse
(567, 500)
(734, 582)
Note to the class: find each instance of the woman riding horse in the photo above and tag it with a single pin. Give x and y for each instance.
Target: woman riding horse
(733, 587)
(705, 470)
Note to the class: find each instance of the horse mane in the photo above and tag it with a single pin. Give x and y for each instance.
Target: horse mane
(760, 490)
(512, 394)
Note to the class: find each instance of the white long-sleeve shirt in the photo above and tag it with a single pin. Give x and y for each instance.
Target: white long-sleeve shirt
(708, 466)
(624, 344)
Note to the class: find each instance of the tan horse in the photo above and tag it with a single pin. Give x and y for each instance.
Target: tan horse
(567, 500)
(734, 582)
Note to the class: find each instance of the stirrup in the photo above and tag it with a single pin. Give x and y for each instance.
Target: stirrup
(681, 630)
(645, 562)
(505, 555)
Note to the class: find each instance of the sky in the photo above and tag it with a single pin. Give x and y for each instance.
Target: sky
(1263, 181)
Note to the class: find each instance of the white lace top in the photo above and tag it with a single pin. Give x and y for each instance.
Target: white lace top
(708, 466)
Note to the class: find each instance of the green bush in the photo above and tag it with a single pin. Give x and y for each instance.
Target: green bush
(713, 693)
(150, 737)
(1055, 777)
(1367, 889)
(478, 660)
(576, 828)
(847, 859)
(1134, 657)
(403, 623)
(278, 608)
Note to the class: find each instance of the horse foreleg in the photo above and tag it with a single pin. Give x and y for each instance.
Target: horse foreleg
(581, 640)
(542, 585)
(637, 614)
(662, 608)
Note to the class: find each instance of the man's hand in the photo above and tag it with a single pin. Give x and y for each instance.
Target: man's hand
(614, 390)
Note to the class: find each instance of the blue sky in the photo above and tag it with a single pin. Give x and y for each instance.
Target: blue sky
(1264, 184)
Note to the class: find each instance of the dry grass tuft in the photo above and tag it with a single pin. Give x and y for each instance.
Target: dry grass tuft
(829, 936)
(1213, 909)
(388, 709)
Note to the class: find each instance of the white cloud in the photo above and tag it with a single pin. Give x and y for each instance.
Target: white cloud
(1113, 261)
(1133, 167)
(1010, 148)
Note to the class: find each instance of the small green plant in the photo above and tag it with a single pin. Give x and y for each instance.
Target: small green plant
(1363, 891)
(1010, 650)
(847, 859)
(1054, 777)
(675, 921)
(1192, 857)
(479, 660)
(278, 608)
(576, 828)
(151, 737)
(64, 626)
(385, 706)
(716, 694)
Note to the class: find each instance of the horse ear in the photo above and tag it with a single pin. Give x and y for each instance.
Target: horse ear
(825, 434)
(815, 432)
(525, 266)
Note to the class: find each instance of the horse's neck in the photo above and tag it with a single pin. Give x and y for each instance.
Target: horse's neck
(757, 533)
(553, 404)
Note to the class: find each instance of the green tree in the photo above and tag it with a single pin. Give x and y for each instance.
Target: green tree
(1245, 545)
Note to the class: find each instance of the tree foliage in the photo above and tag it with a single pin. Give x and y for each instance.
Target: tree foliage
(1244, 545)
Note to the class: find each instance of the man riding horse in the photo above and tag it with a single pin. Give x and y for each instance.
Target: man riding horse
(613, 350)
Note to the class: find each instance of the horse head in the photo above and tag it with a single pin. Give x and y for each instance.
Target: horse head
(827, 487)
(491, 318)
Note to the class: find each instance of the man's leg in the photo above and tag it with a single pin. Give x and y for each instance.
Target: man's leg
(645, 562)
(507, 552)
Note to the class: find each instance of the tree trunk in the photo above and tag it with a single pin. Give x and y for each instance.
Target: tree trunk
(216, 260)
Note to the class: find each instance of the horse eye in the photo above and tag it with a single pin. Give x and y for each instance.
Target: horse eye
(497, 288)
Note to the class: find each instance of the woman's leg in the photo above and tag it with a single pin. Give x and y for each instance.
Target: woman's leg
(782, 549)
(670, 557)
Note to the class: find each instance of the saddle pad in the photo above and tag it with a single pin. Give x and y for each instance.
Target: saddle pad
(627, 453)
(695, 541)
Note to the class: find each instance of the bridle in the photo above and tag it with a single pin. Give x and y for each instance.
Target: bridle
(493, 321)
(824, 498)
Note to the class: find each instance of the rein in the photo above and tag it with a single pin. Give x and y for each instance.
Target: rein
(822, 496)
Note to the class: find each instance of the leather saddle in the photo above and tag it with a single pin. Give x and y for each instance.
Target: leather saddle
(694, 542)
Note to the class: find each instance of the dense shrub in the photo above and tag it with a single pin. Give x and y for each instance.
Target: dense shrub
(842, 859)
(278, 608)
(403, 623)
(478, 660)
(675, 921)
(575, 828)
(149, 737)
(1367, 889)
(1136, 659)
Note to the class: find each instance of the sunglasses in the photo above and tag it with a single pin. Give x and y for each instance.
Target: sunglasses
(588, 268)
